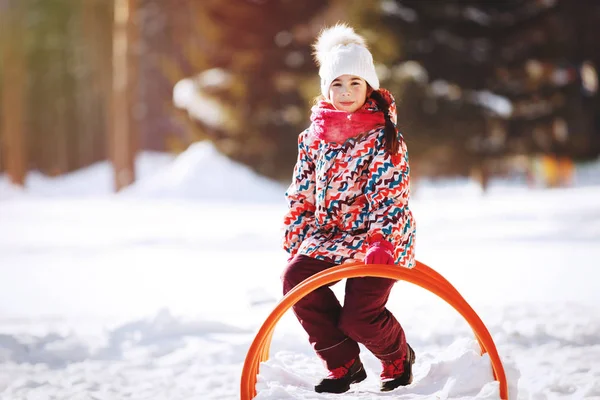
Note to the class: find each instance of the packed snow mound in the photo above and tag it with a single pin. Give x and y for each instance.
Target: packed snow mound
(201, 172)
(457, 372)
(92, 181)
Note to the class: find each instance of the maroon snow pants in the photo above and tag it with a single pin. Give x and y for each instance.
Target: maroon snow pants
(335, 330)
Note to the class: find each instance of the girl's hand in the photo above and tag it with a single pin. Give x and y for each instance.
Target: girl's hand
(381, 252)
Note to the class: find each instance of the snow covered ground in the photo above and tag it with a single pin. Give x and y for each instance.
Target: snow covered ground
(156, 293)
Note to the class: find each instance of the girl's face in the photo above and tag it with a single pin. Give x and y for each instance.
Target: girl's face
(348, 93)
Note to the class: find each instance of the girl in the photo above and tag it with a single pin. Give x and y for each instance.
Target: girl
(349, 201)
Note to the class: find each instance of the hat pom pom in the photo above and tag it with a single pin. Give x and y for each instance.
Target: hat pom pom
(338, 35)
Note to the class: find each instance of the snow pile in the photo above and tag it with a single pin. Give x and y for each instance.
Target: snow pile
(201, 172)
(93, 181)
(454, 372)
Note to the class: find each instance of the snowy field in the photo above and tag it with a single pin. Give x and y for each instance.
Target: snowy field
(157, 293)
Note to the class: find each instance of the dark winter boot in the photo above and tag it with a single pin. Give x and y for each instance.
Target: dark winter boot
(339, 379)
(398, 372)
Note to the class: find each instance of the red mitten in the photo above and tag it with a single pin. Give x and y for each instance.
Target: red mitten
(380, 252)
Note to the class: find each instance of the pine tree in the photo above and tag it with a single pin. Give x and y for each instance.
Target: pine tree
(263, 48)
(528, 52)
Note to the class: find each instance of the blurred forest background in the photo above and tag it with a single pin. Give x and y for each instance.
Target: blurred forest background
(485, 88)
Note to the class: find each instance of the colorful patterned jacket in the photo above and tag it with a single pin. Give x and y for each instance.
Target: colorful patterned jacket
(345, 196)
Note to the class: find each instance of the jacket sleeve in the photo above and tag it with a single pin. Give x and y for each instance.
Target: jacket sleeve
(299, 222)
(387, 192)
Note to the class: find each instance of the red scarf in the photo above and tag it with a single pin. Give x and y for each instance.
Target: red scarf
(337, 126)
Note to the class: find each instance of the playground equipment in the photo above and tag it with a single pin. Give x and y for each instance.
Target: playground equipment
(421, 275)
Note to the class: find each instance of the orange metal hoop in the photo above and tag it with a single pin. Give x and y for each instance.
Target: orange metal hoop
(421, 275)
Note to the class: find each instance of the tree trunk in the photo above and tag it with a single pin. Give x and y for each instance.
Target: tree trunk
(123, 138)
(95, 87)
(12, 146)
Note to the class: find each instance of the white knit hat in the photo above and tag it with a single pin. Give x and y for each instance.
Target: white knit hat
(340, 51)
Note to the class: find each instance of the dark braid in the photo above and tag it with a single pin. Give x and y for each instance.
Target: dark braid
(392, 145)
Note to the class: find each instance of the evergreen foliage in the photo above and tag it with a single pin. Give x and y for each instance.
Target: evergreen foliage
(262, 48)
(530, 53)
